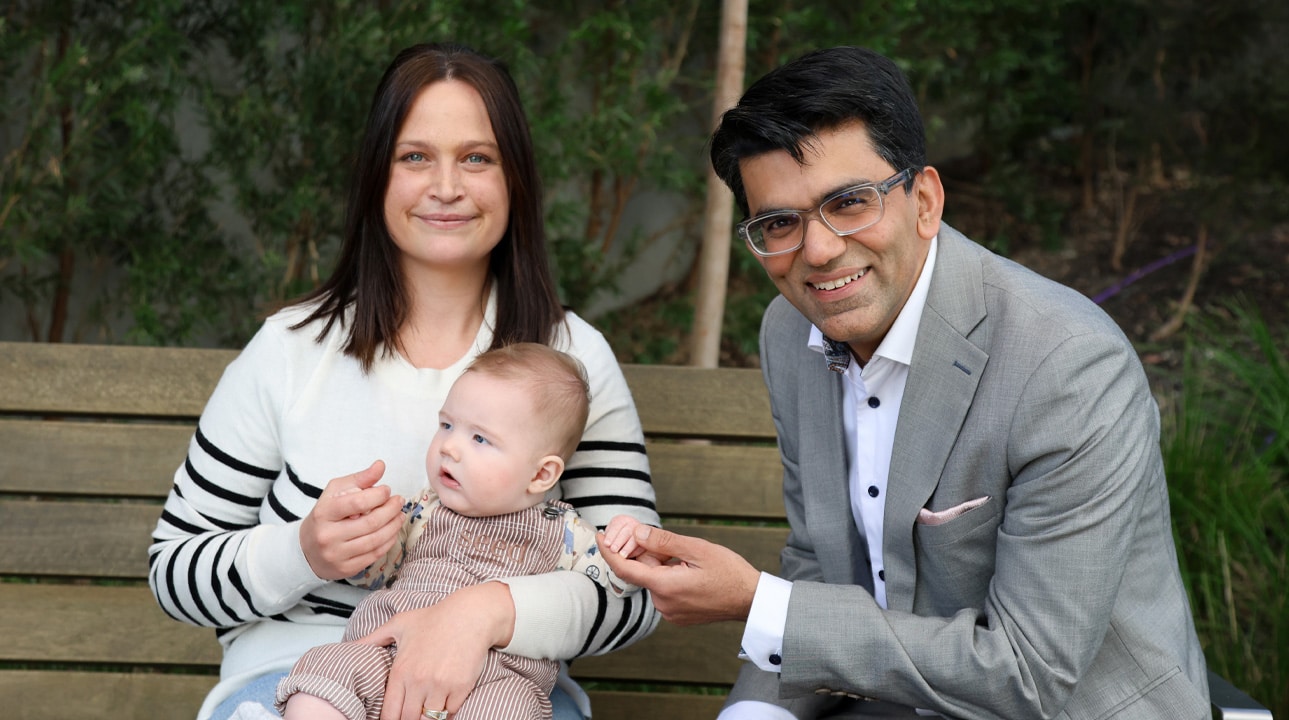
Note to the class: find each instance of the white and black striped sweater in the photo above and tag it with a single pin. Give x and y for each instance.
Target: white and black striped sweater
(289, 415)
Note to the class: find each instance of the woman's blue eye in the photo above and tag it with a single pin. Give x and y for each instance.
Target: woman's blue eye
(414, 157)
(476, 159)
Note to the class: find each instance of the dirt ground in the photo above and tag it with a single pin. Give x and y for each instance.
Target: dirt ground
(1145, 294)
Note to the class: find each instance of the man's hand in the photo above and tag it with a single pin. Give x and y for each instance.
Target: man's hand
(692, 581)
(353, 524)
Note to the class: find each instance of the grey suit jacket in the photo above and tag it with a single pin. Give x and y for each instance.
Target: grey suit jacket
(1060, 596)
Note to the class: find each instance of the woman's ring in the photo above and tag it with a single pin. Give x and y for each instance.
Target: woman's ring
(434, 714)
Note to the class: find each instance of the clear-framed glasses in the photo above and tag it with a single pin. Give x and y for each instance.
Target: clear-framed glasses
(845, 212)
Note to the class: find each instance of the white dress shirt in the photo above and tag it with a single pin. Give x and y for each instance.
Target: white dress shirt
(871, 399)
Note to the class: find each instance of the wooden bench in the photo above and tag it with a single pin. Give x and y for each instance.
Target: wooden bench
(89, 440)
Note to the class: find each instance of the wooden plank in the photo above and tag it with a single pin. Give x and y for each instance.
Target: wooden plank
(90, 458)
(701, 402)
(704, 654)
(760, 546)
(73, 695)
(96, 624)
(139, 460)
(68, 695)
(717, 480)
(76, 539)
(123, 625)
(110, 540)
(108, 379)
(175, 382)
(652, 706)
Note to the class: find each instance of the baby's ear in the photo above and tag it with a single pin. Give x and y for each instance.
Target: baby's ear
(548, 472)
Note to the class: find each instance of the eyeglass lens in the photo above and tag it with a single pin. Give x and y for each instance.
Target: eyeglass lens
(845, 213)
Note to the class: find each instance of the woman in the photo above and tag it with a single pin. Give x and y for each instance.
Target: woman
(444, 257)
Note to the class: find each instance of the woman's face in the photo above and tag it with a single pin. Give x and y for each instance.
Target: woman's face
(447, 205)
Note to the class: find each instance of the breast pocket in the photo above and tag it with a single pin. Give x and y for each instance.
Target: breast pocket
(956, 560)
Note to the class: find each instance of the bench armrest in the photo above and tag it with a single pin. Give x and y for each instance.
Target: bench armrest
(1231, 703)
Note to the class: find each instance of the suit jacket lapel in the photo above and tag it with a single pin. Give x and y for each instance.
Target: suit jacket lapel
(942, 381)
(825, 482)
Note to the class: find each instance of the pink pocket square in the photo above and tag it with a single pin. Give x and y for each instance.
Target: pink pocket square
(926, 517)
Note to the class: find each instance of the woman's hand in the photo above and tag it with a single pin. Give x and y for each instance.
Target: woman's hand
(352, 525)
(442, 649)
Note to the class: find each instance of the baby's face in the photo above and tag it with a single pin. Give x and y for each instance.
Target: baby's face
(488, 447)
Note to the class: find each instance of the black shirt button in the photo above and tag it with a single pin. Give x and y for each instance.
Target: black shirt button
(874, 402)
(881, 575)
(775, 659)
(873, 491)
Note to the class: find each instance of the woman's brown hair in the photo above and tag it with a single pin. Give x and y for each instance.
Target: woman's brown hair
(367, 274)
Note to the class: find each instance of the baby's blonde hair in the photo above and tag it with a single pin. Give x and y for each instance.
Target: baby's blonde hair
(557, 382)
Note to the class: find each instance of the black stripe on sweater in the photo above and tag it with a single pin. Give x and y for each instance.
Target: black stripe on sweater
(309, 490)
(597, 500)
(216, 585)
(594, 445)
(183, 525)
(334, 604)
(235, 578)
(582, 472)
(220, 492)
(174, 596)
(232, 462)
(192, 579)
(644, 612)
(601, 607)
(280, 509)
(627, 607)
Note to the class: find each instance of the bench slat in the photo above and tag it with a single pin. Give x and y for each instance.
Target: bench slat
(46, 695)
(110, 540)
(717, 480)
(108, 379)
(652, 706)
(96, 624)
(120, 380)
(139, 460)
(686, 401)
(90, 458)
(76, 539)
(140, 634)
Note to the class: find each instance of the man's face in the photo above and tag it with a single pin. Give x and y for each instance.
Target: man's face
(852, 288)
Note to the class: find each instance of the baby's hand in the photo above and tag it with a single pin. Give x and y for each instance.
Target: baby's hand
(620, 536)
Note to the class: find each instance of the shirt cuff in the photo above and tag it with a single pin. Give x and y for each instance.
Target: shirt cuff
(763, 634)
(278, 570)
(550, 614)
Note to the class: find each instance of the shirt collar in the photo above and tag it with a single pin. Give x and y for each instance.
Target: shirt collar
(899, 340)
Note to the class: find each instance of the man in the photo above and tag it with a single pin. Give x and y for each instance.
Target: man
(979, 516)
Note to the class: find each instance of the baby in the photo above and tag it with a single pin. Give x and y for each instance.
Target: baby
(507, 427)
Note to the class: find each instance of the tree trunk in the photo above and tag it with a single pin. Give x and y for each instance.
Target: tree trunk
(714, 256)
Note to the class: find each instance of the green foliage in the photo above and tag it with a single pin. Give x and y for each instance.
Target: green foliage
(1226, 450)
(177, 168)
(94, 181)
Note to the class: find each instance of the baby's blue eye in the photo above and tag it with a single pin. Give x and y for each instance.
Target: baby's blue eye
(480, 439)
(445, 426)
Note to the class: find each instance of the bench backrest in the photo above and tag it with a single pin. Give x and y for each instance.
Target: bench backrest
(90, 437)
